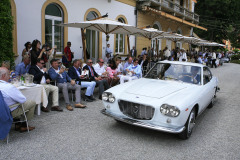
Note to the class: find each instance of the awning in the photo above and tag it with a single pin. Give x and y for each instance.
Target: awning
(166, 15)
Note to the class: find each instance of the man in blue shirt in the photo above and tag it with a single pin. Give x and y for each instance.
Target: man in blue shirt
(127, 64)
(75, 73)
(12, 95)
(23, 67)
(134, 71)
(109, 50)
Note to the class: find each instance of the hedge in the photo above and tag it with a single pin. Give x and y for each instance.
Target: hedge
(6, 27)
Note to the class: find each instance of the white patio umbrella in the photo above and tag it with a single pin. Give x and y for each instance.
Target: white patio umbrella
(192, 40)
(105, 25)
(210, 44)
(151, 33)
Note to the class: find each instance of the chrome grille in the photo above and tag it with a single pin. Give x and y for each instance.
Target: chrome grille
(135, 110)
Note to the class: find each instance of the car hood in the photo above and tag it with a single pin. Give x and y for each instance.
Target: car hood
(155, 88)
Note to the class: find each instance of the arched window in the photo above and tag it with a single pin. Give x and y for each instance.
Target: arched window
(169, 42)
(179, 44)
(120, 40)
(54, 34)
(157, 26)
(92, 38)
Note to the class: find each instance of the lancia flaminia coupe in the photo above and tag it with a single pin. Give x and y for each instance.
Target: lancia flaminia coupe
(169, 98)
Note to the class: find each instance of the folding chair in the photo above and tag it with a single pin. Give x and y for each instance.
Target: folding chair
(23, 116)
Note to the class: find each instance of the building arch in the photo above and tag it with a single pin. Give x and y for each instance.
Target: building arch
(179, 44)
(157, 25)
(123, 19)
(169, 42)
(65, 19)
(92, 36)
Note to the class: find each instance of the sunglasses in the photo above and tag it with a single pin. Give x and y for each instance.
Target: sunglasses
(42, 63)
(90, 62)
(101, 62)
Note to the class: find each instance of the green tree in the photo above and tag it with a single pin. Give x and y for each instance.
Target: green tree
(221, 18)
(6, 27)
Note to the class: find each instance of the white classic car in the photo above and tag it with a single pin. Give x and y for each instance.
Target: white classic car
(168, 98)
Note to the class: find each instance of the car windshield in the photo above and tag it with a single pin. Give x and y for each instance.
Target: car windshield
(177, 72)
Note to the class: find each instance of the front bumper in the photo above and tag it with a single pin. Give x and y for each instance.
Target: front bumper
(142, 124)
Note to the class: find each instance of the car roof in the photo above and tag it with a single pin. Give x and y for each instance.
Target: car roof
(182, 63)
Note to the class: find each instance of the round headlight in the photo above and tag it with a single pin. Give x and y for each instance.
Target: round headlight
(105, 96)
(164, 109)
(169, 110)
(111, 98)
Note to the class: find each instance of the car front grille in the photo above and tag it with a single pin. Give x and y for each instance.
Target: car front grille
(135, 110)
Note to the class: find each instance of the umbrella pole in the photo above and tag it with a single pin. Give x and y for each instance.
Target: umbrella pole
(84, 46)
(157, 47)
(128, 44)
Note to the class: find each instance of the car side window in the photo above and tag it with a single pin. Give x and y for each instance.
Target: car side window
(207, 75)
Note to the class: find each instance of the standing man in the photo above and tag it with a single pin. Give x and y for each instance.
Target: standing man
(41, 77)
(214, 57)
(68, 55)
(102, 83)
(167, 53)
(75, 73)
(23, 67)
(12, 96)
(133, 52)
(109, 50)
(65, 83)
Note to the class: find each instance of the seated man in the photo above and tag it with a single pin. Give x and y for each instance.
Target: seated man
(133, 72)
(99, 68)
(95, 77)
(12, 96)
(41, 77)
(75, 73)
(58, 74)
(127, 64)
(23, 67)
(195, 71)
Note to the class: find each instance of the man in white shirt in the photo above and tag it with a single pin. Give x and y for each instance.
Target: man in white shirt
(99, 68)
(41, 77)
(167, 53)
(12, 96)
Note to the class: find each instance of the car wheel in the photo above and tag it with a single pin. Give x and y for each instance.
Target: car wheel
(189, 125)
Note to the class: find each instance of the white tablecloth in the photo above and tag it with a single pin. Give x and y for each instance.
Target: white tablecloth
(36, 93)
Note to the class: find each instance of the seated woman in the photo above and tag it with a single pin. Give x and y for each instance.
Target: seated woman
(133, 72)
(112, 72)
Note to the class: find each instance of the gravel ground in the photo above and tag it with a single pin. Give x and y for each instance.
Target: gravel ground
(87, 134)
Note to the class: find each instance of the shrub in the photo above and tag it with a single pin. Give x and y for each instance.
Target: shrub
(6, 27)
(235, 57)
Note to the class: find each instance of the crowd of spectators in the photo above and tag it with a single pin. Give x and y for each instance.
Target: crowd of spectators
(77, 76)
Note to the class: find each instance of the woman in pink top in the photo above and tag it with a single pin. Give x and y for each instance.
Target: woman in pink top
(112, 71)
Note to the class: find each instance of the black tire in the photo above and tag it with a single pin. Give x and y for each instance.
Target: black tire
(189, 125)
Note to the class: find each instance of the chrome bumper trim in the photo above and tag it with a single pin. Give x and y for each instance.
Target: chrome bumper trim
(142, 124)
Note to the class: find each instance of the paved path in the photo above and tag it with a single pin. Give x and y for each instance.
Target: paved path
(87, 134)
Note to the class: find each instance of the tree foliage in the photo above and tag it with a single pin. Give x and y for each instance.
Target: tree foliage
(221, 18)
(6, 27)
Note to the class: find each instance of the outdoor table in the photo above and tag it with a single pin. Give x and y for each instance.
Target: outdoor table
(35, 93)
